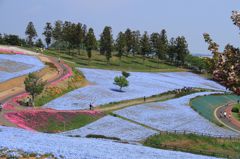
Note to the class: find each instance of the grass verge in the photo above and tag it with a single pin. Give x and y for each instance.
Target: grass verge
(196, 144)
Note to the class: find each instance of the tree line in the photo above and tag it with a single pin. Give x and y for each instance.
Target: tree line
(69, 35)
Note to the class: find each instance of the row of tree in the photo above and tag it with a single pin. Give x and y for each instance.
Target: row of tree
(76, 36)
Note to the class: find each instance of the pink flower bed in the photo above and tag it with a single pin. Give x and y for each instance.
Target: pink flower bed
(9, 105)
(10, 51)
(36, 119)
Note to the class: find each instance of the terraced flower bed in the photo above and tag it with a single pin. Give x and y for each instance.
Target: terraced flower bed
(52, 121)
(102, 90)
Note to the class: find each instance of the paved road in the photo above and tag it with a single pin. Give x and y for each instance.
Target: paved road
(229, 121)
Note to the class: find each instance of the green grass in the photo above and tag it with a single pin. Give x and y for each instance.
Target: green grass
(237, 115)
(196, 144)
(72, 123)
(127, 63)
(206, 105)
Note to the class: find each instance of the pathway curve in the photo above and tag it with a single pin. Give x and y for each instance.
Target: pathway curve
(228, 121)
(63, 72)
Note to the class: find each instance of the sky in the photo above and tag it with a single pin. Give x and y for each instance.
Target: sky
(189, 18)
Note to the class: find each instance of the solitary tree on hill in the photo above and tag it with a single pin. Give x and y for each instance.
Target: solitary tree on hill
(121, 81)
(31, 33)
(34, 85)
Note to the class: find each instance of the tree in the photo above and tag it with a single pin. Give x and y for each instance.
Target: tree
(90, 42)
(48, 33)
(181, 49)
(57, 31)
(34, 85)
(171, 50)
(155, 44)
(163, 44)
(106, 43)
(125, 74)
(121, 81)
(129, 40)
(120, 44)
(79, 35)
(145, 45)
(31, 33)
(39, 43)
(136, 42)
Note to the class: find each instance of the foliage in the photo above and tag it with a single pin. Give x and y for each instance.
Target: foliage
(48, 33)
(106, 43)
(10, 39)
(226, 65)
(91, 42)
(121, 81)
(120, 44)
(196, 63)
(196, 144)
(125, 74)
(34, 85)
(235, 110)
(39, 43)
(31, 33)
(145, 45)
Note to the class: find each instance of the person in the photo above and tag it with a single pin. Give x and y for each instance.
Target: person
(220, 114)
(225, 114)
(1, 107)
(90, 106)
(59, 60)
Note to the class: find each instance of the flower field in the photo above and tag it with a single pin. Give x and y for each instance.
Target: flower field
(12, 66)
(75, 148)
(103, 91)
(175, 114)
(114, 127)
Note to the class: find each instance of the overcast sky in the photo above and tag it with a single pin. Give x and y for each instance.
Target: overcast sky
(190, 18)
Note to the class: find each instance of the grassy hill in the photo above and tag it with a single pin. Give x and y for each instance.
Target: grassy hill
(127, 63)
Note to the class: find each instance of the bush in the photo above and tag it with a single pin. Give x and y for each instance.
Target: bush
(235, 110)
(102, 137)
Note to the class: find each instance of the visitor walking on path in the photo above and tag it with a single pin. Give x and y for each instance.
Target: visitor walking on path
(90, 106)
(59, 60)
(1, 107)
(225, 114)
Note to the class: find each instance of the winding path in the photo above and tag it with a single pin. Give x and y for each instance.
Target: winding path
(64, 72)
(228, 121)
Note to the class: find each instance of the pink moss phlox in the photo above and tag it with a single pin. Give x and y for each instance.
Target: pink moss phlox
(10, 51)
(8, 106)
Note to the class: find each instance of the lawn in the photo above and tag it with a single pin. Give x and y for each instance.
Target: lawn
(196, 144)
(237, 115)
(206, 105)
(127, 63)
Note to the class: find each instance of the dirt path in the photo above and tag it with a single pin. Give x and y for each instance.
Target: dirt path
(228, 121)
(15, 87)
(128, 103)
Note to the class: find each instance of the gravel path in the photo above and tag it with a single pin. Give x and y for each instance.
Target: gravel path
(82, 148)
(103, 91)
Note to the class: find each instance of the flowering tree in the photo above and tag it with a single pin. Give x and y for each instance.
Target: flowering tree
(226, 64)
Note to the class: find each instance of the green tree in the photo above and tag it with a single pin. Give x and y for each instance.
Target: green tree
(106, 43)
(172, 50)
(34, 85)
(48, 33)
(39, 43)
(120, 44)
(129, 40)
(136, 42)
(163, 44)
(30, 33)
(145, 45)
(121, 81)
(91, 42)
(181, 50)
(125, 74)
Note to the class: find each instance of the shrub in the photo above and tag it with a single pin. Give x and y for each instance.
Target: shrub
(235, 110)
